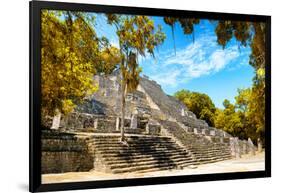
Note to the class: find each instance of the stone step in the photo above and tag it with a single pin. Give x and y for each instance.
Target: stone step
(130, 131)
(159, 169)
(144, 167)
(180, 166)
(152, 163)
(113, 157)
(113, 160)
(209, 151)
(198, 146)
(148, 143)
(212, 159)
(131, 146)
(117, 137)
(154, 170)
(146, 153)
(118, 144)
(211, 155)
(201, 162)
(152, 152)
(148, 140)
(139, 148)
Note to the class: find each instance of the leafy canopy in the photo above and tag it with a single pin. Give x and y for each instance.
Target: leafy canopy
(200, 104)
(137, 36)
(71, 54)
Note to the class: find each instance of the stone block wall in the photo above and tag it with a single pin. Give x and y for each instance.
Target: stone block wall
(98, 123)
(83, 122)
(62, 152)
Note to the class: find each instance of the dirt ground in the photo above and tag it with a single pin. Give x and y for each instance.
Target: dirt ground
(246, 163)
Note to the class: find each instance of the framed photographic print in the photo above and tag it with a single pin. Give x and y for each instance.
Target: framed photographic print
(125, 96)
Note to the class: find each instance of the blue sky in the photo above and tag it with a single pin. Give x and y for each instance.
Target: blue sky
(201, 66)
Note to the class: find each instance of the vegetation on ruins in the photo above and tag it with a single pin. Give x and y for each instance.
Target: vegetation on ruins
(200, 104)
(245, 118)
(72, 53)
(137, 37)
(237, 119)
(250, 101)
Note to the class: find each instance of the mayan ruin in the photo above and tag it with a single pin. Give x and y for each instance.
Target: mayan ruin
(135, 96)
(162, 134)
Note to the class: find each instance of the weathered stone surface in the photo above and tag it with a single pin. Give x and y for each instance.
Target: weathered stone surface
(201, 147)
(134, 122)
(56, 121)
(205, 131)
(245, 147)
(148, 111)
(197, 130)
(251, 147)
(117, 123)
(153, 128)
(62, 152)
(237, 149)
(212, 132)
(144, 153)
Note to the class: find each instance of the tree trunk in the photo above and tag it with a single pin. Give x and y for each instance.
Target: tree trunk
(123, 104)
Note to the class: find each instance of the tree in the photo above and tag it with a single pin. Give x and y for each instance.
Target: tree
(246, 33)
(243, 99)
(187, 25)
(69, 54)
(229, 120)
(137, 36)
(200, 104)
(242, 119)
(248, 104)
(253, 34)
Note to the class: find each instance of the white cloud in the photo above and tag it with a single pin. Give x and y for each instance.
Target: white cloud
(201, 58)
(169, 78)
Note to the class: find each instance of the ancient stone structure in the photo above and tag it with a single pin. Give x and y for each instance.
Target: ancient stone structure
(64, 152)
(161, 132)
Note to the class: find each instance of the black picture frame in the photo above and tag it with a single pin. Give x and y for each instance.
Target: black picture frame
(35, 184)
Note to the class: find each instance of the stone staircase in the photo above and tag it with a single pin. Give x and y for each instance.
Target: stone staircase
(143, 153)
(203, 150)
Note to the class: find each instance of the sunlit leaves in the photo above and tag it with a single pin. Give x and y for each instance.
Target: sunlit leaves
(246, 117)
(70, 55)
(187, 24)
(250, 101)
(109, 58)
(200, 104)
(137, 36)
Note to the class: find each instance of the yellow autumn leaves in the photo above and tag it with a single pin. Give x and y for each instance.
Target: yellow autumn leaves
(71, 54)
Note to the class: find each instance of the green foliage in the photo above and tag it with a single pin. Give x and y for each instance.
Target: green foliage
(229, 120)
(186, 24)
(226, 30)
(245, 118)
(200, 104)
(250, 103)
